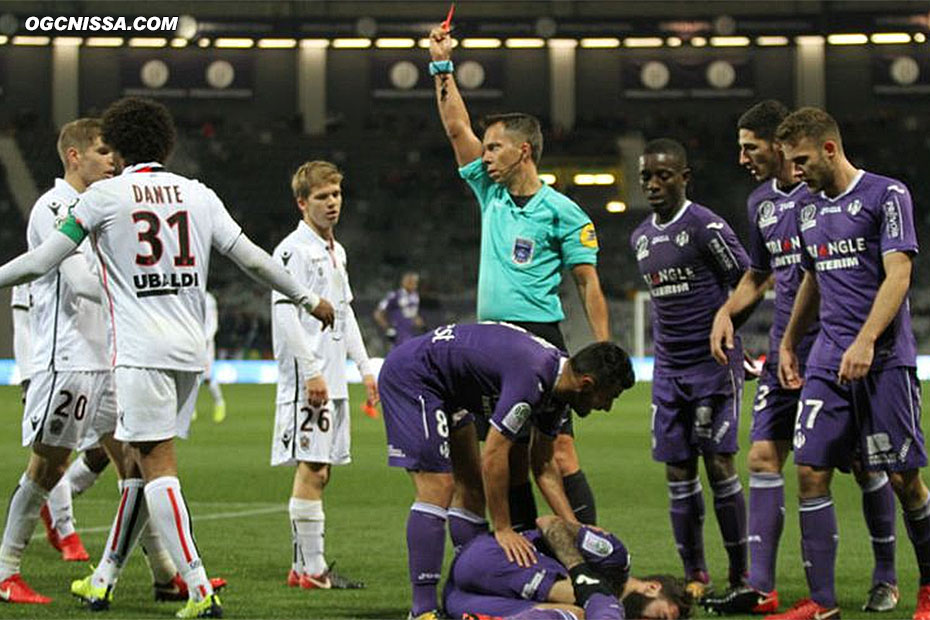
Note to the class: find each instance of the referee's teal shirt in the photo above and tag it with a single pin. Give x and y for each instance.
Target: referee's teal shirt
(523, 251)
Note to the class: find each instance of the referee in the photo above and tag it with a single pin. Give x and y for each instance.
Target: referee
(529, 234)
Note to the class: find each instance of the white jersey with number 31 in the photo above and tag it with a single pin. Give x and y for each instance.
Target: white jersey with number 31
(153, 231)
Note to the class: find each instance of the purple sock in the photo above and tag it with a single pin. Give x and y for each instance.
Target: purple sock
(603, 607)
(686, 509)
(730, 508)
(819, 540)
(534, 613)
(426, 539)
(878, 508)
(918, 530)
(465, 525)
(766, 522)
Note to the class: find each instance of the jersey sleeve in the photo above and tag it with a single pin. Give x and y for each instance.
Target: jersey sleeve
(578, 237)
(389, 301)
(292, 260)
(225, 230)
(520, 396)
(479, 181)
(724, 252)
(897, 221)
(20, 297)
(760, 259)
(87, 214)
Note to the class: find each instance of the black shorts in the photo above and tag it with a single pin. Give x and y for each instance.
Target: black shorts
(551, 333)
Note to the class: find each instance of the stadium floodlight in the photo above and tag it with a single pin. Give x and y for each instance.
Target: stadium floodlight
(809, 39)
(241, 43)
(847, 39)
(729, 41)
(352, 44)
(524, 43)
(27, 40)
(67, 41)
(481, 43)
(616, 206)
(919, 37)
(563, 43)
(771, 41)
(104, 42)
(178, 42)
(277, 44)
(148, 42)
(594, 179)
(4, 39)
(203, 42)
(883, 38)
(698, 42)
(600, 42)
(548, 178)
(314, 43)
(424, 43)
(673, 42)
(643, 42)
(394, 43)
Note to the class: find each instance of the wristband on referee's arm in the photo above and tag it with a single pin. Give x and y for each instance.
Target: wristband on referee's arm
(437, 67)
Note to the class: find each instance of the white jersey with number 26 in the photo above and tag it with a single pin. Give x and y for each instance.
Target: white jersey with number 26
(153, 231)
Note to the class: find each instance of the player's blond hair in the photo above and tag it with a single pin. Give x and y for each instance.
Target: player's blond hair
(812, 123)
(313, 174)
(79, 134)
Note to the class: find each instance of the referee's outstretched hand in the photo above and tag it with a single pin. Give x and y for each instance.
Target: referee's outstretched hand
(325, 313)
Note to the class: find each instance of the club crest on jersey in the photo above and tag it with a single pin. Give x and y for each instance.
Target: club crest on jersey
(808, 216)
(767, 214)
(522, 251)
(682, 239)
(642, 247)
(596, 545)
(854, 207)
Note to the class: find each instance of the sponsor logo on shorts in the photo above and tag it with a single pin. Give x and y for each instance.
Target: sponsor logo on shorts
(56, 427)
(530, 587)
(305, 442)
(879, 449)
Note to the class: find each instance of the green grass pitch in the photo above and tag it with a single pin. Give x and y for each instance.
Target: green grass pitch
(239, 504)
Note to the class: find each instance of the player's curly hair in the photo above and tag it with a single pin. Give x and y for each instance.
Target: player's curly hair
(763, 118)
(673, 590)
(139, 129)
(608, 363)
(525, 125)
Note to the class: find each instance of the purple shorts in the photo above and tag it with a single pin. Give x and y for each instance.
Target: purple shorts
(774, 409)
(482, 580)
(876, 419)
(696, 414)
(415, 420)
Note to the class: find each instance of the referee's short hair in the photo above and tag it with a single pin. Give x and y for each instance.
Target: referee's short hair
(524, 125)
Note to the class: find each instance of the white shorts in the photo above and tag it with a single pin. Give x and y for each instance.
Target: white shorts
(311, 434)
(61, 407)
(154, 404)
(104, 420)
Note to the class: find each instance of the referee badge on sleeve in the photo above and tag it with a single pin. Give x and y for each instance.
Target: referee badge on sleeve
(589, 236)
(522, 251)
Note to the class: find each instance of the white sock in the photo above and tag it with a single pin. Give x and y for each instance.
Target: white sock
(308, 524)
(80, 476)
(131, 517)
(21, 518)
(169, 516)
(215, 392)
(59, 507)
(157, 556)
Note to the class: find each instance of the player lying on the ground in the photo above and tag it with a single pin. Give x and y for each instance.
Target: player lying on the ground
(516, 379)
(581, 572)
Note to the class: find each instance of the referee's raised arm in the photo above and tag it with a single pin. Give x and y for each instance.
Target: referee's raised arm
(452, 109)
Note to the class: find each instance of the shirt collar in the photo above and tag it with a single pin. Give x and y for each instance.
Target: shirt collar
(307, 231)
(678, 216)
(780, 192)
(150, 166)
(852, 185)
(63, 187)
